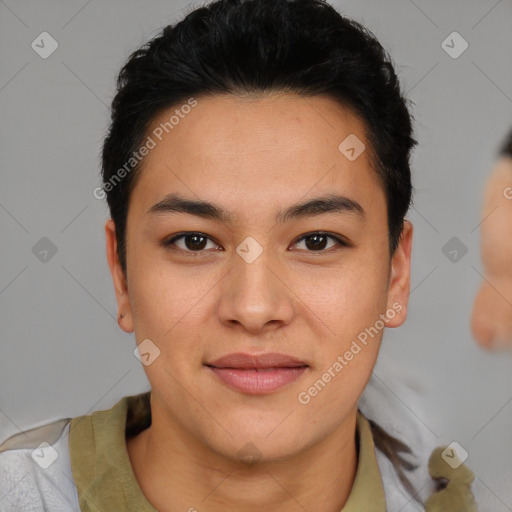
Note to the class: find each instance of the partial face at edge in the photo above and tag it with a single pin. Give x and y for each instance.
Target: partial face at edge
(199, 298)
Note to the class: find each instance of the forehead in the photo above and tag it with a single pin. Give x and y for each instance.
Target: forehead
(265, 149)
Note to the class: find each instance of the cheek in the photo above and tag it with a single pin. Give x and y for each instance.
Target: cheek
(345, 309)
(164, 296)
(329, 396)
(345, 299)
(171, 309)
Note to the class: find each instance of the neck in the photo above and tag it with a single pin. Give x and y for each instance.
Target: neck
(177, 472)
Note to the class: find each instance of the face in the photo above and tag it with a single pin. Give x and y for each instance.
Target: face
(257, 271)
(491, 318)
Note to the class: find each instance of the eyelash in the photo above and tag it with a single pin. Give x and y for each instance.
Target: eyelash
(168, 243)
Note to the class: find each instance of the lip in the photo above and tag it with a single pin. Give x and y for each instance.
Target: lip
(257, 374)
(240, 360)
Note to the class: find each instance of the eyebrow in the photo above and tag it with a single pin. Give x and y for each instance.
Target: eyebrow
(332, 203)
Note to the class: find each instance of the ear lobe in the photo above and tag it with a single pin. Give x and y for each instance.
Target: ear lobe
(400, 279)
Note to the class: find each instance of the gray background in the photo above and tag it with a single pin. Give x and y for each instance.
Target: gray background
(62, 352)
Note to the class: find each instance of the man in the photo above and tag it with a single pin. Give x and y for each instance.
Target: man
(257, 174)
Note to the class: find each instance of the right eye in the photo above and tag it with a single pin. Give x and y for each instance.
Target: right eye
(190, 242)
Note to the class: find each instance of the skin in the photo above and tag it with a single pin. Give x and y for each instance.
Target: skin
(491, 318)
(253, 157)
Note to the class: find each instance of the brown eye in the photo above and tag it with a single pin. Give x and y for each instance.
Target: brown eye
(190, 242)
(317, 242)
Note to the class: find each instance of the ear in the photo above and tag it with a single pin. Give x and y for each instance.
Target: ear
(119, 279)
(400, 278)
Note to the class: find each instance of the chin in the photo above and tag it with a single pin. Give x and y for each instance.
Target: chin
(251, 443)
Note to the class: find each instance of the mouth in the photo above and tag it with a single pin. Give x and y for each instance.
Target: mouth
(257, 375)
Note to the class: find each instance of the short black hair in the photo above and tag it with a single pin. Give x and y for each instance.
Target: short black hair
(506, 147)
(258, 47)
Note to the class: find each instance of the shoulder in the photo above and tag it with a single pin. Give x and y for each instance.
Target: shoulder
(405, 442)
(35, 471)
(383, 404)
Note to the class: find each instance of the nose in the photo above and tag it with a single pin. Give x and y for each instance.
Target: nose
(255, 294)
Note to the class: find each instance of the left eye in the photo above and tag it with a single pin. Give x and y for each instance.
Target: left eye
(194, 242)
(317, 241)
